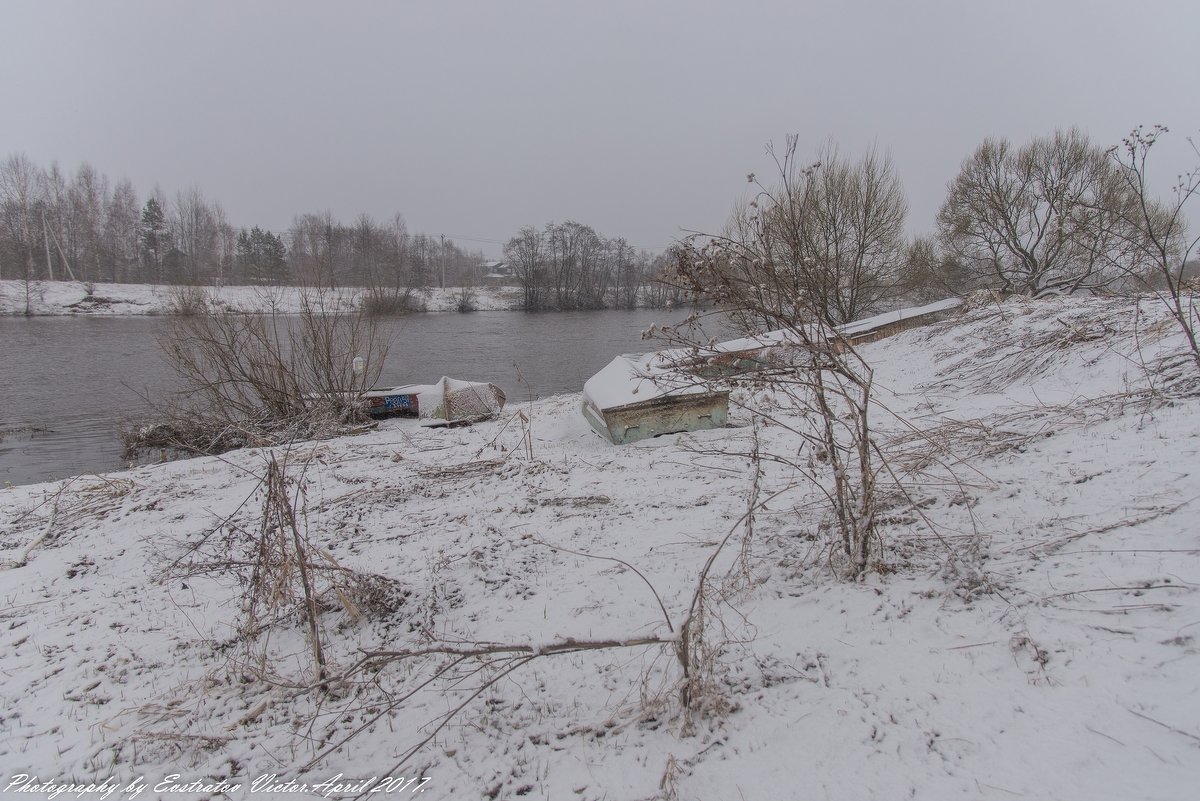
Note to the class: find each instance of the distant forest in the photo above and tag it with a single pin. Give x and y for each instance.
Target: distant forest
(83, 227)
(1057, 214)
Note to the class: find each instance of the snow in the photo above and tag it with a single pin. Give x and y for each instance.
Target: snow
(887, 318)
(637, 378)
(72, 298)
(1043, 642)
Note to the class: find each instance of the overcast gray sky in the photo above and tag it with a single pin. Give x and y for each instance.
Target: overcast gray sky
(638, 118)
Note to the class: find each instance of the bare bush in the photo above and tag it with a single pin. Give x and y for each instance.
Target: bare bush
(285, 578)
(186, 300)
(382, 301)
(261, 379)
(761, 273)
(1157, 233)
(466, 300)
(826, 242)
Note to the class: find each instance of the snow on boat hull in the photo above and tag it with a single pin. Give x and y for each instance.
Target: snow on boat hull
(638, 397)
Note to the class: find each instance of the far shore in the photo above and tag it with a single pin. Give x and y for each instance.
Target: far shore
(77, 298)
(71, 298)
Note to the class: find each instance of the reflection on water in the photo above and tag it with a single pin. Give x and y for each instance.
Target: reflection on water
(67, 384)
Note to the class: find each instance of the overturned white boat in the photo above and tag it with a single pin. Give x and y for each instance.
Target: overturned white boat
(451, 401)
(640, 396)
(446, 402)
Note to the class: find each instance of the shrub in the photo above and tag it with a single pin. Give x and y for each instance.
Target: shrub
(383, 302)
(263, 379)
(186, 301)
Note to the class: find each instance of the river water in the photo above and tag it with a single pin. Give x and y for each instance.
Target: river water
(68, 384)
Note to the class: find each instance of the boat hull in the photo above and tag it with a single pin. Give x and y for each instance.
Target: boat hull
(670, 414)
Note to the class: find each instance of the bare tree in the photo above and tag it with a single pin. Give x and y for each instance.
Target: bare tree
(569, 266)
(87, 193)
(623, 273)
(851, 219)
(121, 231)
(383, 254)
(21, 194)
(196, 226)
(661, 287)
(757, 272)
(931, 273)
(526, 253)
(320, 250)
(832, 246)
(1156, 233)
(367, 246)
(58, 240)
(563, 241)
(397, 258)
(1047, 216)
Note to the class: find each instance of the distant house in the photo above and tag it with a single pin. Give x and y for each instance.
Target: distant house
(497, 271)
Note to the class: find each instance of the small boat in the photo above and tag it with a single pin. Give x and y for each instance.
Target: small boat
(394, 402)
(445, 402)
(641, 396)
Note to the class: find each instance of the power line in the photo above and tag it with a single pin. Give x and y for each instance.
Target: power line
(486, 241)
(479, 239)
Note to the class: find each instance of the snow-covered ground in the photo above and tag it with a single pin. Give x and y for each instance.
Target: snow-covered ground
(72, 297)
(1032, 629)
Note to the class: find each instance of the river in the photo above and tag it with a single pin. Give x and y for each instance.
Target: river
(68, 384)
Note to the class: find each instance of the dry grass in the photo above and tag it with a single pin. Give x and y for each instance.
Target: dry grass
(77, 501)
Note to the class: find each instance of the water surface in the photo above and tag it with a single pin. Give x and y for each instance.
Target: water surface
(68, 384)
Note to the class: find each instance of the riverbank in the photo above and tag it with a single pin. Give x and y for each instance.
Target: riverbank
(1030, 630)
(67, 298)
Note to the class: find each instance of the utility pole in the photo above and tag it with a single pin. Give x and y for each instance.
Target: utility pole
(443, 261)
(46, 240)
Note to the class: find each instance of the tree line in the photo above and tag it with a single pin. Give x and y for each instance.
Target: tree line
(1055, 215)
(568, 266)
(83, 227)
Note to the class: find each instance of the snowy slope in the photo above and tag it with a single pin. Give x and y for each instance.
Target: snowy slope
(1031, 630)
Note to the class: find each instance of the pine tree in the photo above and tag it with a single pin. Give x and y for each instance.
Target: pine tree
(274, 257)
(154, 238)
(262, 256)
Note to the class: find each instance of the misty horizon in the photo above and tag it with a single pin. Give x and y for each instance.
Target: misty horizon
(473, 120)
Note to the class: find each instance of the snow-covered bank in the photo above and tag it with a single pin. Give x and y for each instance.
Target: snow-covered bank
(63, 298)
(1039, 640)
